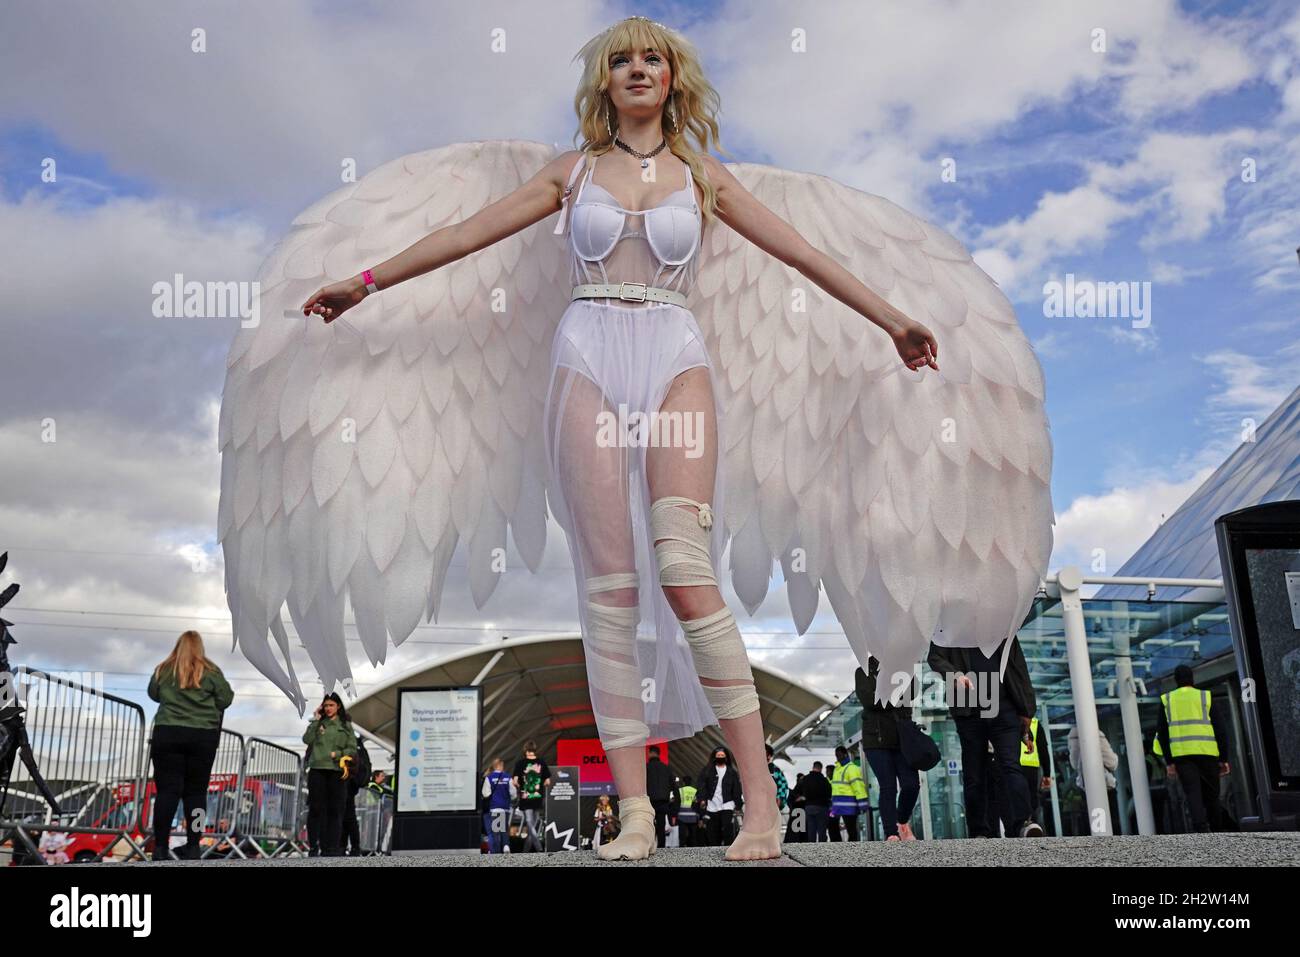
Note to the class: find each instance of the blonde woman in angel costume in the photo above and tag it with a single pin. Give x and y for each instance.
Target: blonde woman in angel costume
(640, 496)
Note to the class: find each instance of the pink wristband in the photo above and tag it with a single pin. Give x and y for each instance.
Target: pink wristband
(369, 280)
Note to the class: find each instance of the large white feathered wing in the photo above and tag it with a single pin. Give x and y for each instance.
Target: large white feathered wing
(356, 455)
(919, 500)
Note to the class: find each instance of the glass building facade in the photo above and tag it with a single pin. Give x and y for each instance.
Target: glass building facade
(1157, 636)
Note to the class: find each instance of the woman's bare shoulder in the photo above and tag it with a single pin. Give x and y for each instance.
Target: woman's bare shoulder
(716, 171)
(562, 165)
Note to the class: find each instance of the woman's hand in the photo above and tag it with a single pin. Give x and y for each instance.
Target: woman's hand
(335, 299)
(916, 345)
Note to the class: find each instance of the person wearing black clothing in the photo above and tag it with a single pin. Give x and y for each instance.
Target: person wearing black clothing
(329, 739)
(817, 804)
(796, 828)
(719, 789)
(1002, 720)
(532, 777)
(900, 784)
(351, 826)
(998, 808)
(193, 696)
(659, 789)
(357, 778)
(1197, 773)
(1038, 779)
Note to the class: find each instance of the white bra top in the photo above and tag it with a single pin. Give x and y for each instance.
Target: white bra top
(671, 234)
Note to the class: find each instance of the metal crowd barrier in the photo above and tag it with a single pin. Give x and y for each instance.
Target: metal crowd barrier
(227, 806)
(226, 800)
(375, 821)
(276, 787)
(303, 845)
(90, 749)
(93, 749)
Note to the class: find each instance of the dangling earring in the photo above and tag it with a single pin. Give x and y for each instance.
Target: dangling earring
(672, 111)
(609, 108)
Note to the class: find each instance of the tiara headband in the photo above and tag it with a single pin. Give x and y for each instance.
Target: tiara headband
(648, 20)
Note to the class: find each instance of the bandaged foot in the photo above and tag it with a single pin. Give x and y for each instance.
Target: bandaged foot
(636, 839)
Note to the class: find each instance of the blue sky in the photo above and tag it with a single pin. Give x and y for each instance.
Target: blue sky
(1115, 166)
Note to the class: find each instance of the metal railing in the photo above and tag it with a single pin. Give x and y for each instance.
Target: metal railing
(226, 807)
(375, 820)
(94, 751)
(90, 748)
(276, 786)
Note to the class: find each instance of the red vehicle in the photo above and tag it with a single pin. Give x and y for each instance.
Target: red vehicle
(123, 813)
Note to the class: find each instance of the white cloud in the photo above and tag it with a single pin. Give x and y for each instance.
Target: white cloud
(1174, 274)
(1250, 386)
(1062, 223)
(1170, 63)
(1052, 345)
(1136, 340)
(1141, 496)
(1190, 173)
(1111, 526)
(288, 90)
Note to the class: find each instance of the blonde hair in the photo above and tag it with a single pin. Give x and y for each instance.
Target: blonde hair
(187, 662)
(694, 98)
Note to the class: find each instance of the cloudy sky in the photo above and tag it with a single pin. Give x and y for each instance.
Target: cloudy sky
(1169, 156)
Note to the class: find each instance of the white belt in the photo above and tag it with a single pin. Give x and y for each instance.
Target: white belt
(627, 291)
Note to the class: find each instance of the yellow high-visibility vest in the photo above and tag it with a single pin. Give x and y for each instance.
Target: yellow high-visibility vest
(1190, 730)
(1031, 759)
(847, 783)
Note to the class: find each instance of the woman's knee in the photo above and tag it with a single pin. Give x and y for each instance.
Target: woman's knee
(693, 601)
(682, 531)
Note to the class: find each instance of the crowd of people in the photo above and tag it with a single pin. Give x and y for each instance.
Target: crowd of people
(193, 695)
(1006, 763)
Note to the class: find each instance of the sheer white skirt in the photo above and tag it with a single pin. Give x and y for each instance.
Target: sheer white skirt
(611, 366)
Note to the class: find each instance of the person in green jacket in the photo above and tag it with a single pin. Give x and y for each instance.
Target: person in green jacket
(329, 739)
(192, 695)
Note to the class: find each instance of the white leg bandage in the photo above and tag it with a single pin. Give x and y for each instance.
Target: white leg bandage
(716, 645)
(618, 681)
(683, 555)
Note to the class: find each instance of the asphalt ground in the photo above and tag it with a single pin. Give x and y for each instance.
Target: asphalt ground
(1254, 849)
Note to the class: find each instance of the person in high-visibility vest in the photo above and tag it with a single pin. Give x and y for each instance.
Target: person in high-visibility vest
(688, 816)
(848, 794)
(1190, 732)
(1036, 765)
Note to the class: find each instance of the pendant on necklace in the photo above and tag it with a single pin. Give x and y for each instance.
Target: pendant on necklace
(645, 163)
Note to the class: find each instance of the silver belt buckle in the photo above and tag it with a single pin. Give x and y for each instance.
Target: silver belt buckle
(623, 295)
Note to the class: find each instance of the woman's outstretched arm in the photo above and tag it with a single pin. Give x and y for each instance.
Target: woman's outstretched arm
(533, 201)
(739, 209)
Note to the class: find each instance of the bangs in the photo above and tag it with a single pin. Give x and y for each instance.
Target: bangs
(636, 35)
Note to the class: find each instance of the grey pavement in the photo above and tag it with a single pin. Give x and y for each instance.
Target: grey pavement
(1263, 849)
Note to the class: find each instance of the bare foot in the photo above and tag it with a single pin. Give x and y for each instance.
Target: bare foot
(760, 837)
